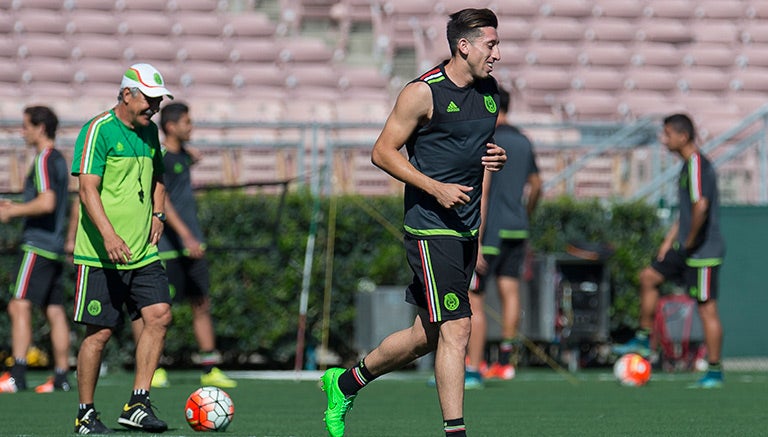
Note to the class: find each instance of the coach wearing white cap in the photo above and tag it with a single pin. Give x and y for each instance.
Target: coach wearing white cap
(119, 165)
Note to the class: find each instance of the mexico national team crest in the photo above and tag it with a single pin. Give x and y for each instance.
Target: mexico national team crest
(490, 104)
(451, 302)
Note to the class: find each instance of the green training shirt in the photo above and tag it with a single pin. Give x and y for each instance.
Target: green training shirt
(126, 160)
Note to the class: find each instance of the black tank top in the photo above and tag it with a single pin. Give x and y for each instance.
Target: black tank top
(449, 148)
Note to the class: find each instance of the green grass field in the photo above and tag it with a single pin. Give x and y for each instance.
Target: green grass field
(537, 403)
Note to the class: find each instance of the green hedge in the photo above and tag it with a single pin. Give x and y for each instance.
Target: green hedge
(256, 254)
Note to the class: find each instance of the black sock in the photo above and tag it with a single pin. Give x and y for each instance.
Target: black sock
(715, 367)
(139, 395)
(84, 408)
(351, 381)
(19, 373)
(455, 428)
(209, 360)
(505, 350)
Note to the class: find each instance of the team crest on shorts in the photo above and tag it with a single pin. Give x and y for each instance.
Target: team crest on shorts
(451, 302)
(94, 307)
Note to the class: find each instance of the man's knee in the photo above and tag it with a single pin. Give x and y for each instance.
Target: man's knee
(157, 316)
(650, 278)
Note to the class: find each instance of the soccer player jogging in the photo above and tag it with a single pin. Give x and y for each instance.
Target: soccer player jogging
(38, 280)
(691, 252)
(118, 162)
(445, 119)
(504, 234)
(182, 247)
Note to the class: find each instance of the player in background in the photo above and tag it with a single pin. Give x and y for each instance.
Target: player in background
(119, 166)
(445, 119)
(506, 211)
(38, 280)
(691, 252)
(182, 246)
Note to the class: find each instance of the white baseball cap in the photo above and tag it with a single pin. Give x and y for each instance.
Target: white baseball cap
(147, 79)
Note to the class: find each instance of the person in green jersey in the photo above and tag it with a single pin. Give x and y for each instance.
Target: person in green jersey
(119, 166)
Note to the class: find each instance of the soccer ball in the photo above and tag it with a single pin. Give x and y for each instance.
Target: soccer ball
(632, 370)
(209, 409)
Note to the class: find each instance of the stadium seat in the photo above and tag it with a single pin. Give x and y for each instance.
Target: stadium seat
(598, 78)
(253, 50)
(511, 28)
(53, 5)
(677, 9)
(591, 105)
(99, 70)
(710, 79)
(44, 45)
(6, 24)
(605, 54)
(715, 31)
(96, 47)
(610, 29)
(202, 74)
(249, 24)
(656, 55)
(312, 75)
(752, 55)
(651, 79)
(664, 30)
(721, 9)
(262, 75)
(197, 24)
(206, 6)
(751, 79)
(298, 50)
(713, 55)
(96, 5)
(631, 9)
(10, 74)
(565, 8)
(39, 21)
(150, 49)
(364, 110)
(543, 79)
(202, 49)
(754, 32)
(638, 103)
(519, 8)
(558, 29)
(362, 80)
(92, 22)
(142, 5)
(551, 53)
(144, 23)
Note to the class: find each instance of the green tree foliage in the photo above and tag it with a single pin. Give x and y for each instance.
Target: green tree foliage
(256, 247)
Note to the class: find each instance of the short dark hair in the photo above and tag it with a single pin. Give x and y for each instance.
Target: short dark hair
(467, 23)
(171, 113)
(504, 99)
(681, 123)
(43, 115)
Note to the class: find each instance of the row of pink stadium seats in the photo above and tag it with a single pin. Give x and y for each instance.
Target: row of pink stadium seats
(144, 23)
(235, 50)
(116, 5)
(679, 9)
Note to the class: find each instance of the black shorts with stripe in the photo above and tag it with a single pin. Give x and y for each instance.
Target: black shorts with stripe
(188, 278)
(38, 280)
(701, 283)
(507, 263)
(442, 268)
(101, 294)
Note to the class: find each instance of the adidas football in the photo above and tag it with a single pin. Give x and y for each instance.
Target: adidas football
(209, 409)
(632, 370)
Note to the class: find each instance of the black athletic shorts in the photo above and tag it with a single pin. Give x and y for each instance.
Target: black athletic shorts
(187, 277)
(38, 280)
(508, 263)
(442, 268)
(100, 294)
(700, 282)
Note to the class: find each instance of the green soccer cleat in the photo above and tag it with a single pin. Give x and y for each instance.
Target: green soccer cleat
(473, 380)
(160, 378)
(711, 379)
(338, 404)
(217, 378)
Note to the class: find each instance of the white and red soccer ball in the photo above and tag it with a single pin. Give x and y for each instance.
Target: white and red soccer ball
(209, 409)
(632, 370)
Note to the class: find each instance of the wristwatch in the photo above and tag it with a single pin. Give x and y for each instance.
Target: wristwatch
(159, 215)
